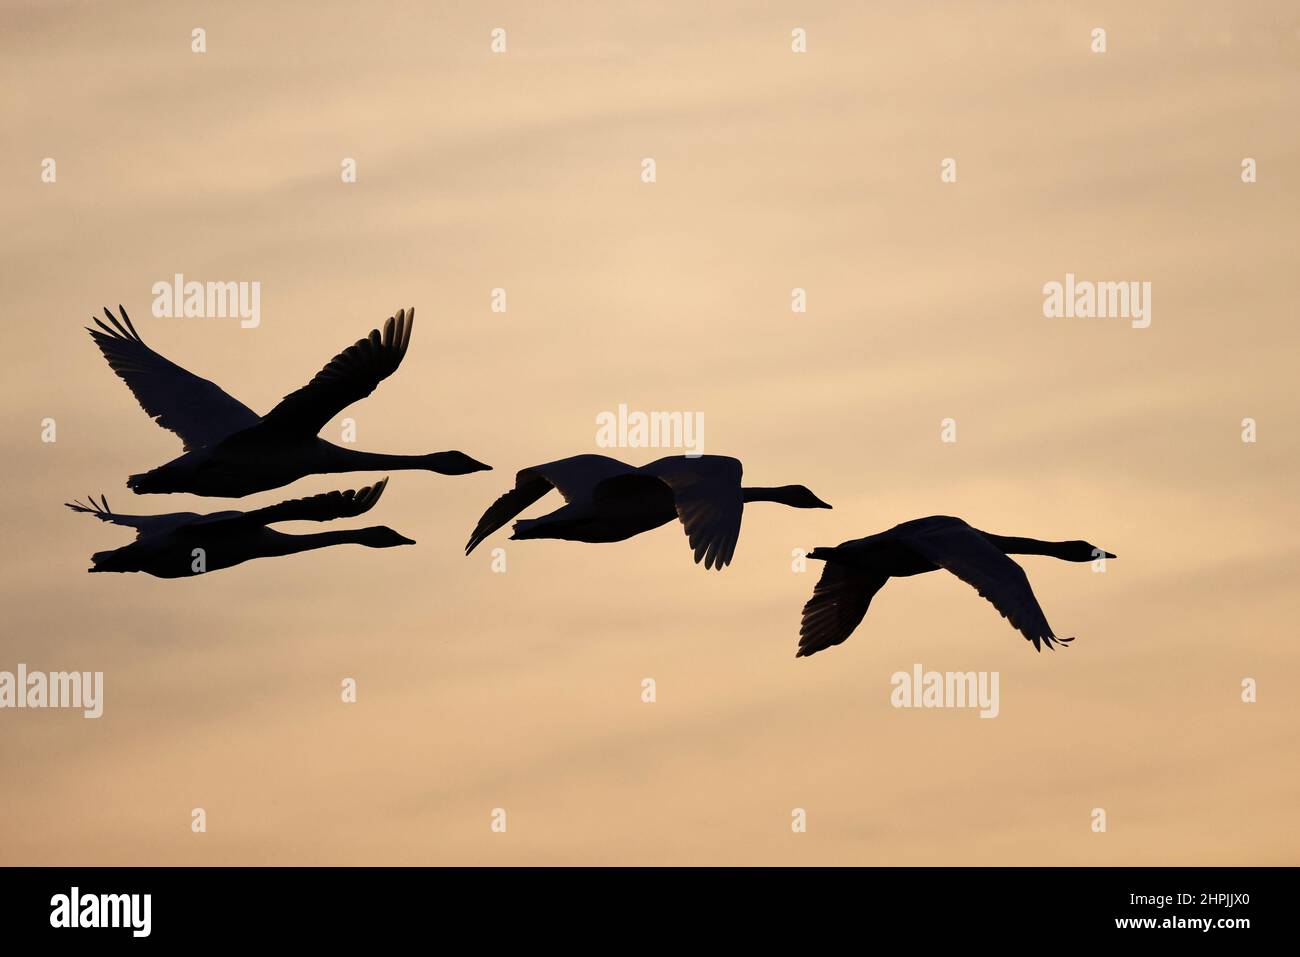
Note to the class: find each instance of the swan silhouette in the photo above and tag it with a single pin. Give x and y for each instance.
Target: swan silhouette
(165, 544)
(856, 570)
(230, 451)
(608, 501)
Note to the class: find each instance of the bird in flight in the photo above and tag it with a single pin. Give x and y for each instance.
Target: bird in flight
(168, 546)
(856, 570)
(230, 450)
(606, 500)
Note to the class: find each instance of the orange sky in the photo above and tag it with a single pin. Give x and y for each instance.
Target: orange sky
(775, 170)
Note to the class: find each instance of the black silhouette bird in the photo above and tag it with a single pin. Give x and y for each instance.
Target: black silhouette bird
(856, 570)
(231, 451)
(608, 501)
(165, 545)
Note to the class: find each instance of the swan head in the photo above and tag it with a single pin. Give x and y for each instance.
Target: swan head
(1080, 551)
(802, 497)
(381, 536)
(796, 496)
(454, 463)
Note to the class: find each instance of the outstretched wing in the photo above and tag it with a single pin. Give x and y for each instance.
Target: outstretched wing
(971, 557)
(839, 601)
(143, 524)
(319, 508)
(197, 410)
(573, 477)
(709, 502)
(529, 487)
(350, 376)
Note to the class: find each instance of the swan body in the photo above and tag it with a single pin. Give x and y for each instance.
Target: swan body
(165, 544)
(230, 451)
(610, 501)
(856, 570)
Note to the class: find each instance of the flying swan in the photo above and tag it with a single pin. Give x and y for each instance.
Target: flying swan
(230, 450)
(608, 501)
(856, 570)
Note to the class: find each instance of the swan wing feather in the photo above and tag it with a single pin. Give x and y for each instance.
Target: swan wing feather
(839, 601)
(313, 508)
(199, 411)
(144, 525)
(574, 478)
(706, 490)
(347, 378)
(979, 563)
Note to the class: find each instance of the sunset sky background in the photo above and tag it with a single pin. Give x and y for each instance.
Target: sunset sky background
(775, 170)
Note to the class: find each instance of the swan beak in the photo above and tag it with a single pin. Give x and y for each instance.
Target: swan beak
(455, 463)
(405, 540)
(1109, 555)
(821, 504)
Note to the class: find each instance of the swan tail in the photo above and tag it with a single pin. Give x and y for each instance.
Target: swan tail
(1052, 641)
(524, 528)
(103, 561)
(155, 480)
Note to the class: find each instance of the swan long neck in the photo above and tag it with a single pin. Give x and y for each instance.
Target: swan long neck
(288, 544)
(1011, 545)
(779, 493)
(352, 460)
